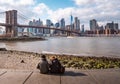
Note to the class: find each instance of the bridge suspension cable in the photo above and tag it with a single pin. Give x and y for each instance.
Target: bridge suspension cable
(2, 16)
(23, 16)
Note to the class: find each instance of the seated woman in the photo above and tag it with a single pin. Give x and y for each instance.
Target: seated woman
(55, 66)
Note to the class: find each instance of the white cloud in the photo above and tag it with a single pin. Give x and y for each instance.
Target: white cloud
(99, 9)
(41, 9)
(17, 2)
(22, 6)
(83, 2)
(61, 13)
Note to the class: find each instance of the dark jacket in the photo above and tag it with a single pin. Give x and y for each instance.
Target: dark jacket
(55, 66)
(43, 66)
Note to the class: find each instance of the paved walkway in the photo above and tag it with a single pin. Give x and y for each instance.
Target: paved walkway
(71, 76)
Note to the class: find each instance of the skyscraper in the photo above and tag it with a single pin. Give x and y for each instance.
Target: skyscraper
(112, 25)
(48, 24)
(71, 19)
(71, 22)
(82, 28)
(57, 25)
(62, 24)
(93, 24)
(30, 29)
(39, 23)
(77, 24)
(35, 31)
(116, 26)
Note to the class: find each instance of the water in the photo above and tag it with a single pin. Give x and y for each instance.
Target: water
(83, 46)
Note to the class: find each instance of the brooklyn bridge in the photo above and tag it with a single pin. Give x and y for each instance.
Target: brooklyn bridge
(11, 25)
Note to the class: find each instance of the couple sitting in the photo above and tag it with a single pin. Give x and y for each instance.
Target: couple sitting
(53, 66)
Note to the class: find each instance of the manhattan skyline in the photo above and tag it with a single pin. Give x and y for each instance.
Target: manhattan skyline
(57, 9)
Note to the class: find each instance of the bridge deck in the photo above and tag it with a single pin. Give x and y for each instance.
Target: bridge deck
(45, 27)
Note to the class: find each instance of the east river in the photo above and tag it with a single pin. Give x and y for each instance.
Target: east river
(82, 46)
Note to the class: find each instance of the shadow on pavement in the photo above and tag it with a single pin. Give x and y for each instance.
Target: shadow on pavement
(71, 73)
(67, 73)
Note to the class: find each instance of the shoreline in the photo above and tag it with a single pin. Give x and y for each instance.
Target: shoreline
(21, 38)
(11, 59)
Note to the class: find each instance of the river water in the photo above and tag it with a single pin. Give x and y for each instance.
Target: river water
(83, 46)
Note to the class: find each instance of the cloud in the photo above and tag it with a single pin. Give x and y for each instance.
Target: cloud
(83, 2)
(86, 10)
(17, 2)
(102, 10)
(41, 9)
(22, 6)
(61, 13)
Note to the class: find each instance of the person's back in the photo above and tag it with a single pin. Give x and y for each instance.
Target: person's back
(56, 66)
(43, 65)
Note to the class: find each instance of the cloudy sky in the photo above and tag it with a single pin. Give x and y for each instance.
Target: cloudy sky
(101, 10)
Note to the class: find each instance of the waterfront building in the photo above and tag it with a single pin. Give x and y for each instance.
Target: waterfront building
(112, 25)
(62, 25)
(49, 24)
(41, 29)
(30, 29)
(20, 31)
(39, 23)
(52, 31)
(93, 25)
(57, 25)
(68, 27)
(101, 28)
(111, 28)
(72, 27)
(35, 31)
(77, 24)
(82, 27)
(116, 26)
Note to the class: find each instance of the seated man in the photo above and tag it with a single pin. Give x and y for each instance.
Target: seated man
(55, 66)
(43, 65)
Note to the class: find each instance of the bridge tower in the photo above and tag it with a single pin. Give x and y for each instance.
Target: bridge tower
(11, 18)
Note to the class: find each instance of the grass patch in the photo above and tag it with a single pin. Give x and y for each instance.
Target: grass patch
(79, 62)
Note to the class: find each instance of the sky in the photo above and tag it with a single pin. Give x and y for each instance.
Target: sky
(101, 10)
